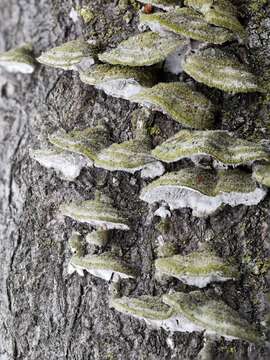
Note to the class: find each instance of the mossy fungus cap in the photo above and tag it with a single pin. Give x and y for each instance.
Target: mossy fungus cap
(180, 102)
(199, 268)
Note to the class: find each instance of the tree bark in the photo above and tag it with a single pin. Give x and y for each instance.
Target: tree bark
(46, 313)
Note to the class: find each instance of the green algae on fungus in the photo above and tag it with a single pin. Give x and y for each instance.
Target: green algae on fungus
(188, 23)
(98, 212)
(19, 60)
(213, 316)
(216, 69)
(218, 144)
(163, 4)
(199, 268)
(119, 81)
(144, 49)
(73, 55)
(97, 238)
(261, 172)
(220, 13)
(87, 142)
(180, 102)
(204, 191)
(103, 266)
(66, 164)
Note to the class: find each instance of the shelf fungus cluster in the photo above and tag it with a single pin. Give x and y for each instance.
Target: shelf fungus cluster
(91, 147)
(106, 265)
(203, 190)
(72, 151)
(173, 38)
(131, 156)
(19, 60)
(199, 268)
(100, 214)
(188, 312)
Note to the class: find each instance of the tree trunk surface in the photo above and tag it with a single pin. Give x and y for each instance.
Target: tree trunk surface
(47, 314)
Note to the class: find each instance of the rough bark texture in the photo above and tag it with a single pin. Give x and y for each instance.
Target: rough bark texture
(46, 313)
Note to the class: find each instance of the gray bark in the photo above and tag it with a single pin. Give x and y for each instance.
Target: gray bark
(46, 313)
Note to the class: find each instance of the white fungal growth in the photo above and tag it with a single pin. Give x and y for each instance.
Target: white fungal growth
(66, 164)
(203, 191)
(119, 81)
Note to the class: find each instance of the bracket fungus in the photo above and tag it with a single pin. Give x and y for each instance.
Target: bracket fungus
(199, 268)
(212, 316)
(154, 312)
(220, 13)
(261, 172)
(119, 81)
(217, 144)
(213, 67)
(104, 266)
(187, 23)
(72, 55)
(151, 309)
(144, 49)
(66, 164)
(131, 156)
(19, 60)
(204, 191)
(97, 238)
(163, 4)
(180, 102)
(98, 212)
(87, 142)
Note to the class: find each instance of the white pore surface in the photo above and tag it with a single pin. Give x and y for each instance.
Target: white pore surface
(17, 67)
(163, 212)
(202, 205)
(152, 170)
(121, 88)
(202, 281)
(68, 165)
(176, 323)
(155, 27)
(174, 62)
(84, 64)
(104, 274)
(105, 224)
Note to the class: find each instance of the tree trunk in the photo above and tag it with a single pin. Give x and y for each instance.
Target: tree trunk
(47, 314)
